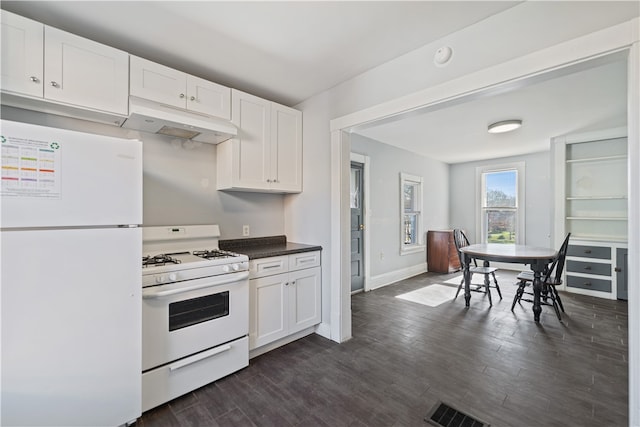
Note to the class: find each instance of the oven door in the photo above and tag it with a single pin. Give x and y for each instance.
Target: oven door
(183, 318)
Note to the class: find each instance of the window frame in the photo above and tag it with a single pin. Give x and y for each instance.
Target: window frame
(419, 245)
(481, 231)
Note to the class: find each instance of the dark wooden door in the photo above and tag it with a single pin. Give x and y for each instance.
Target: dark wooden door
(357, 227)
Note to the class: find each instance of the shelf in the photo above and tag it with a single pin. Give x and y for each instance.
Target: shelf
(596, 197)
(598, 159)
(597, 218)
(597, 238)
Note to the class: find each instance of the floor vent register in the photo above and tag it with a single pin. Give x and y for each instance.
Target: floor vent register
(443, 415)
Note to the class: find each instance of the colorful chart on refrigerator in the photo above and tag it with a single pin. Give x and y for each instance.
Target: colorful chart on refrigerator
(30, 168)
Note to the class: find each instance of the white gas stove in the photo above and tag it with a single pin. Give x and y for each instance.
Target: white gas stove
(179, 253)
(195, 311)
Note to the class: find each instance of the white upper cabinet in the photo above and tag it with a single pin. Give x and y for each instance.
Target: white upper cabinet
(44, 62)
(168, 86)
(266, 156)
(22, 61)
(82, 72)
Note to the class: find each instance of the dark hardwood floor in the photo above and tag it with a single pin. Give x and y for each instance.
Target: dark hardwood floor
(404, 357)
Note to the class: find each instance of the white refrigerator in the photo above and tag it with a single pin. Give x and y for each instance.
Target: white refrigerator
(71, 207)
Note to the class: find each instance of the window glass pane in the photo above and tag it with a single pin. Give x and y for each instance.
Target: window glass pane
(409, 197)
(355, 189)
(501, 189)
(501, 226)
(410, 229)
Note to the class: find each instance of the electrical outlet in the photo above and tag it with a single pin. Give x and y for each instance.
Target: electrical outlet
(245, 230)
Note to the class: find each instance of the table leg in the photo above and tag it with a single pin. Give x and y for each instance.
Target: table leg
(467, 280)
(537, 289)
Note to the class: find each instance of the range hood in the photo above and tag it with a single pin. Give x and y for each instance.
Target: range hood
(152, 117)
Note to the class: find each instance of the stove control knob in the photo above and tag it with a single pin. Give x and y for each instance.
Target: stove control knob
(235, 267)
(159, 279)
(226, 268)
(173, 277)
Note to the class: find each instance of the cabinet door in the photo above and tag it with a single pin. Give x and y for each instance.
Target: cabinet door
(156, 82)
(85, 73)
(304, 299)
(208, 98)
(251, 148)
(22, 60)
(268, 302)
(286, 148)
(622, 277)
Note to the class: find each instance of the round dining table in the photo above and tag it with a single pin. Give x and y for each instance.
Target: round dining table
(536, 257)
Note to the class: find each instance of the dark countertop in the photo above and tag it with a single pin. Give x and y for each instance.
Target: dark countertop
(264, 247)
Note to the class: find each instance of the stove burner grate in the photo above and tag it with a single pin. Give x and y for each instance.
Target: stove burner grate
(214, 254)
(158, 260)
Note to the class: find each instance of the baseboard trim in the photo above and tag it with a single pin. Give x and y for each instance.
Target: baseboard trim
(390, 277)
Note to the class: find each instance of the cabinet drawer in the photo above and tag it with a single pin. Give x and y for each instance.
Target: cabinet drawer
(589, 267)
(268, 266)
(600, 252)
(304, 260)
(590, 283)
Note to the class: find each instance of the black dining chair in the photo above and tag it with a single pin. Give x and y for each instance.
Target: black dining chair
(461, 241)
(552, 277)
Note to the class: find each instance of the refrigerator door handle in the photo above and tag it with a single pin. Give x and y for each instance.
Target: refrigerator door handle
(148, 293)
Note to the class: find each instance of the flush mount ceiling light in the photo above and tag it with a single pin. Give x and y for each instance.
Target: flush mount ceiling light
(504, 126)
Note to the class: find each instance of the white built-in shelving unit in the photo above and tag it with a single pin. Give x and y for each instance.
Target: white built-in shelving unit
(590, 202)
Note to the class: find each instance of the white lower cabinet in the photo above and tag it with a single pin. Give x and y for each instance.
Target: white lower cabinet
(285, 294)
(593, 268)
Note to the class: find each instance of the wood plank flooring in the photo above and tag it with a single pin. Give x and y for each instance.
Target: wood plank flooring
(404, 357)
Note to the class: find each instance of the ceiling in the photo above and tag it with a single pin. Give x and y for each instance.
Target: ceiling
(285, 51)
(290, 51)
(588, 99)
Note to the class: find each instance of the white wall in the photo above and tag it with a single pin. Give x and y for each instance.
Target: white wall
(179, 183)
(537, 204)
(386, 164)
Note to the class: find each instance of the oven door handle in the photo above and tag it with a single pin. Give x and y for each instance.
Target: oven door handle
(198, 357)
(227, 278)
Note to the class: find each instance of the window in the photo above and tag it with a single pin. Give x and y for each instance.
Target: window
(501, 190)
(410, 214)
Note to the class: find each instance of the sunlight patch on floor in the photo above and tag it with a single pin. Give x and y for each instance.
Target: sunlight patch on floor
(432, 295)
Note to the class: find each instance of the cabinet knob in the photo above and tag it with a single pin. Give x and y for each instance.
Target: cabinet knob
(268, 180)
(182, 95)
(286, 283)
(193, 98)
(587, 267)
(617, 269)
(588, 251)
(34, 79)
(55, 84)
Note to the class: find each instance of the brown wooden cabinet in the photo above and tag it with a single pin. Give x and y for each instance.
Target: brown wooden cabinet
(442, 256)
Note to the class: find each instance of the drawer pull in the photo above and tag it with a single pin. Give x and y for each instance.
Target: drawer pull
(302, 261)
(617, 269)
(587, 251)
(198, 357)
(588, 267)
(271, 266)
(587, 283)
